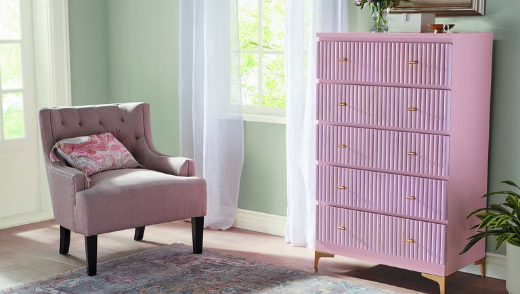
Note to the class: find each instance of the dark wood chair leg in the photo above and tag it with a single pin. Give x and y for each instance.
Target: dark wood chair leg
(91, 250)
(197, 228)
(139, 234)
(64, 240)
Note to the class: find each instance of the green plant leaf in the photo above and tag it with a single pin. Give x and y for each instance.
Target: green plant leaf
(510, 183)
(503, 238)
(501, 220)
(473, 240)
(500, 193)
(515, 203)
(499, 207)
(487, 209)
(488, 220)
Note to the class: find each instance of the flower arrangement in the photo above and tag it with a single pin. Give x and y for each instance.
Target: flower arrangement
(379, 9)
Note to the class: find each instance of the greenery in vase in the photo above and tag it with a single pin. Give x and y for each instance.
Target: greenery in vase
(378, 8)
(499, 220)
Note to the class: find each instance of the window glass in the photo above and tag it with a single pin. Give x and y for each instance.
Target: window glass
(12, 106)
(9, 19)
(10, 66)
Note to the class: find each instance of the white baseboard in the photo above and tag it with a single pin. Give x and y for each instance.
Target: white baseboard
(25, 218)
(275, 225)
(260, 222)
(495, 267)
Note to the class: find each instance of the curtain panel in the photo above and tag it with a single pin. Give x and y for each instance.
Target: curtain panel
(304, 20)
(211, 124)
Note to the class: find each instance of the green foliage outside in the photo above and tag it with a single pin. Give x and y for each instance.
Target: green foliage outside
(10, 66)
(13, 116)
(9, 20)
(272, 61)
(11, 70)
(13, 123)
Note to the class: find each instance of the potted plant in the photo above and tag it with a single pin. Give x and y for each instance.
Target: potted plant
(502, 221)
(380, 10)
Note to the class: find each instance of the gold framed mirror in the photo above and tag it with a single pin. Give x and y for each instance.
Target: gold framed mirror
(441, 7)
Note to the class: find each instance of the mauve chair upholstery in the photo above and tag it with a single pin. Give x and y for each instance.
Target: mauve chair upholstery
(166, 190)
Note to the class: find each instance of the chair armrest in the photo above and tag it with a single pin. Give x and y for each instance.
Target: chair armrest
(64, 183)
(173, 165)
(67, 177)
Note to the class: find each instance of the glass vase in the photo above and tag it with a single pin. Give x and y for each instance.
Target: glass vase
(380, 18)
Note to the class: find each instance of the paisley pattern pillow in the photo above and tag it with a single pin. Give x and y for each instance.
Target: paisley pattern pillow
(93, 154)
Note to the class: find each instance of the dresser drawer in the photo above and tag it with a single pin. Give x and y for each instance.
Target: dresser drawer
(421, 154)
(395, 236)
(407, 108)
(386, 193)
(381, 62)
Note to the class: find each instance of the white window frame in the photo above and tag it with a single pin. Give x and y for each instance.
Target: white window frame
(260, 113)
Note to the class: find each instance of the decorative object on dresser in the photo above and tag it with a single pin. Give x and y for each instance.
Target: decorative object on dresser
(502, 220)
(441, 28)
(379, 9)
(403, 134)
(410, 22)
(441, 8)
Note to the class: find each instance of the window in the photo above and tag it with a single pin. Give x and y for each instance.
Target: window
(11, 83)
(262, 32)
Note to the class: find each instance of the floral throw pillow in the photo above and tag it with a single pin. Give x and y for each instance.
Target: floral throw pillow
(93, 154)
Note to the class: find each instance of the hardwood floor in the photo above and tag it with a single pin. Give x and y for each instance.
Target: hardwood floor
(30, 252)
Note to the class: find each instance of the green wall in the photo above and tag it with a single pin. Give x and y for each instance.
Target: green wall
(126, 50)
(264, 181)
(88, 51)
(143, 57)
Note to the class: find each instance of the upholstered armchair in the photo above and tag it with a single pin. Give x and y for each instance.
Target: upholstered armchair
(165, 190)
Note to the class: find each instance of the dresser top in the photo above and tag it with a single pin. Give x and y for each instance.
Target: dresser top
(403, 37)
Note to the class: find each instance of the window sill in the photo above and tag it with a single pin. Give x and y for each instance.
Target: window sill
(13, 145)
(263, 118)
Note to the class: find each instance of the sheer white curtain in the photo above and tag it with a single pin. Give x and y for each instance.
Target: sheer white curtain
(304, 20)
(211, 124)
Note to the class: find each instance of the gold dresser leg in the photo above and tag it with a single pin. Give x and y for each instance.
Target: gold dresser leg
(440, 280)
(482, 263)
(318, 255)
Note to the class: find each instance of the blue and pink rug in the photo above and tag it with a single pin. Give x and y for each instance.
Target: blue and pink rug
(174, 269)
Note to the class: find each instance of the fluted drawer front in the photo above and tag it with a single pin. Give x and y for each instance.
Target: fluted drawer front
(395, 236)
(387, 193)
(419, 109)
(380, 62)
(387, 150)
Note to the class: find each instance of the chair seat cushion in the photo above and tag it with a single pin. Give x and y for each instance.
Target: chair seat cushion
(130, 198)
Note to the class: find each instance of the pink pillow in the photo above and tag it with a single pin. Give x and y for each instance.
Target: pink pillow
(94, 154)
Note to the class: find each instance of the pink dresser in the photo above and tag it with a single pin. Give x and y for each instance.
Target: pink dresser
(403, 135)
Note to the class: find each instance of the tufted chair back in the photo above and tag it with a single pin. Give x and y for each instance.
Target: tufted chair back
(129, 123)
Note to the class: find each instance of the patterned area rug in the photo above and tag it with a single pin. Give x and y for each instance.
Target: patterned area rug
(174, 269)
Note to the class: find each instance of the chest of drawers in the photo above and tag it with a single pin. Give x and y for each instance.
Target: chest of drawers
(402, 148)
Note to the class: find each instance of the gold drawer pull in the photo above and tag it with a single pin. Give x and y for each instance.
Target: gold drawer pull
(342, 60)
(341, 187)
(342, 146)
(410, 197)
(341, 228)
(413, 62)
(412, 109)
(342, 104)
(412, 153)
(410, 241)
